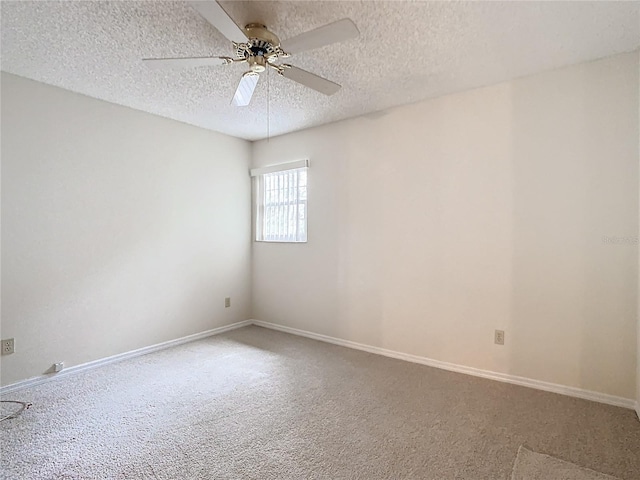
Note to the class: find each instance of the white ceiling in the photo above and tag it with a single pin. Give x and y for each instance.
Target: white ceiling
(407, 51)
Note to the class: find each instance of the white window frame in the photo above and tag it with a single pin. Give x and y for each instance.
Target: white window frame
(258, 175)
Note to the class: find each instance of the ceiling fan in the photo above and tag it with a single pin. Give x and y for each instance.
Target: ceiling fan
(261, 49)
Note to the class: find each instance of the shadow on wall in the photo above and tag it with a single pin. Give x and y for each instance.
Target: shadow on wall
(118, 228)
(574, 278)
(504, 208)
(382, 245)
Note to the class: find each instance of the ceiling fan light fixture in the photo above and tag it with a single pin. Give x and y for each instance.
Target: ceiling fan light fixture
(257, 63)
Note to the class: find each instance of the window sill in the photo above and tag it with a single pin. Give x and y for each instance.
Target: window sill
(278, 241)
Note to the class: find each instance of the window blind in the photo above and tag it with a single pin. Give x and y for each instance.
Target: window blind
(282, 206)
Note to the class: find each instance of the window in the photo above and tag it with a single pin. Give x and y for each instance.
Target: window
(281, 206)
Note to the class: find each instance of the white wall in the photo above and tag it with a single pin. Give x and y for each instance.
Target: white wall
(433, 224)
(120, 229)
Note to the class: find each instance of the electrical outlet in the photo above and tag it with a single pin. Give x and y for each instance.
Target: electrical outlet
(57, 367)
(499, 337)
(7, 346)
(227, 302)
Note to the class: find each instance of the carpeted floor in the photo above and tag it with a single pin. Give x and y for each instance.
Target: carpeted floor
(259, 404)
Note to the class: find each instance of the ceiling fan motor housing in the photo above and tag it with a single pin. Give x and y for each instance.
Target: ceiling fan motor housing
(262, 46)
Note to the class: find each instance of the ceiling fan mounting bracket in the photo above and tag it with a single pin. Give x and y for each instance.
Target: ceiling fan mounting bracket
(257, 31)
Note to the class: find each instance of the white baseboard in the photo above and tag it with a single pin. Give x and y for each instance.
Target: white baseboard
(30, 382)
(501, 377)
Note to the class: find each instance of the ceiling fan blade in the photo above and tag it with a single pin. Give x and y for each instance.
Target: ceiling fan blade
(311, 80)
(245, 89)
(188, 62)
(216, 16)
(334, 32)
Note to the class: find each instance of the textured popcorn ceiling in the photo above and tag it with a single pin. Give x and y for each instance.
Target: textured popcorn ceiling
(408, 51)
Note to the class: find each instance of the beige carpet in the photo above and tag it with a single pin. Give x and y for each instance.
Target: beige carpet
(537, 466)
(259, 404)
